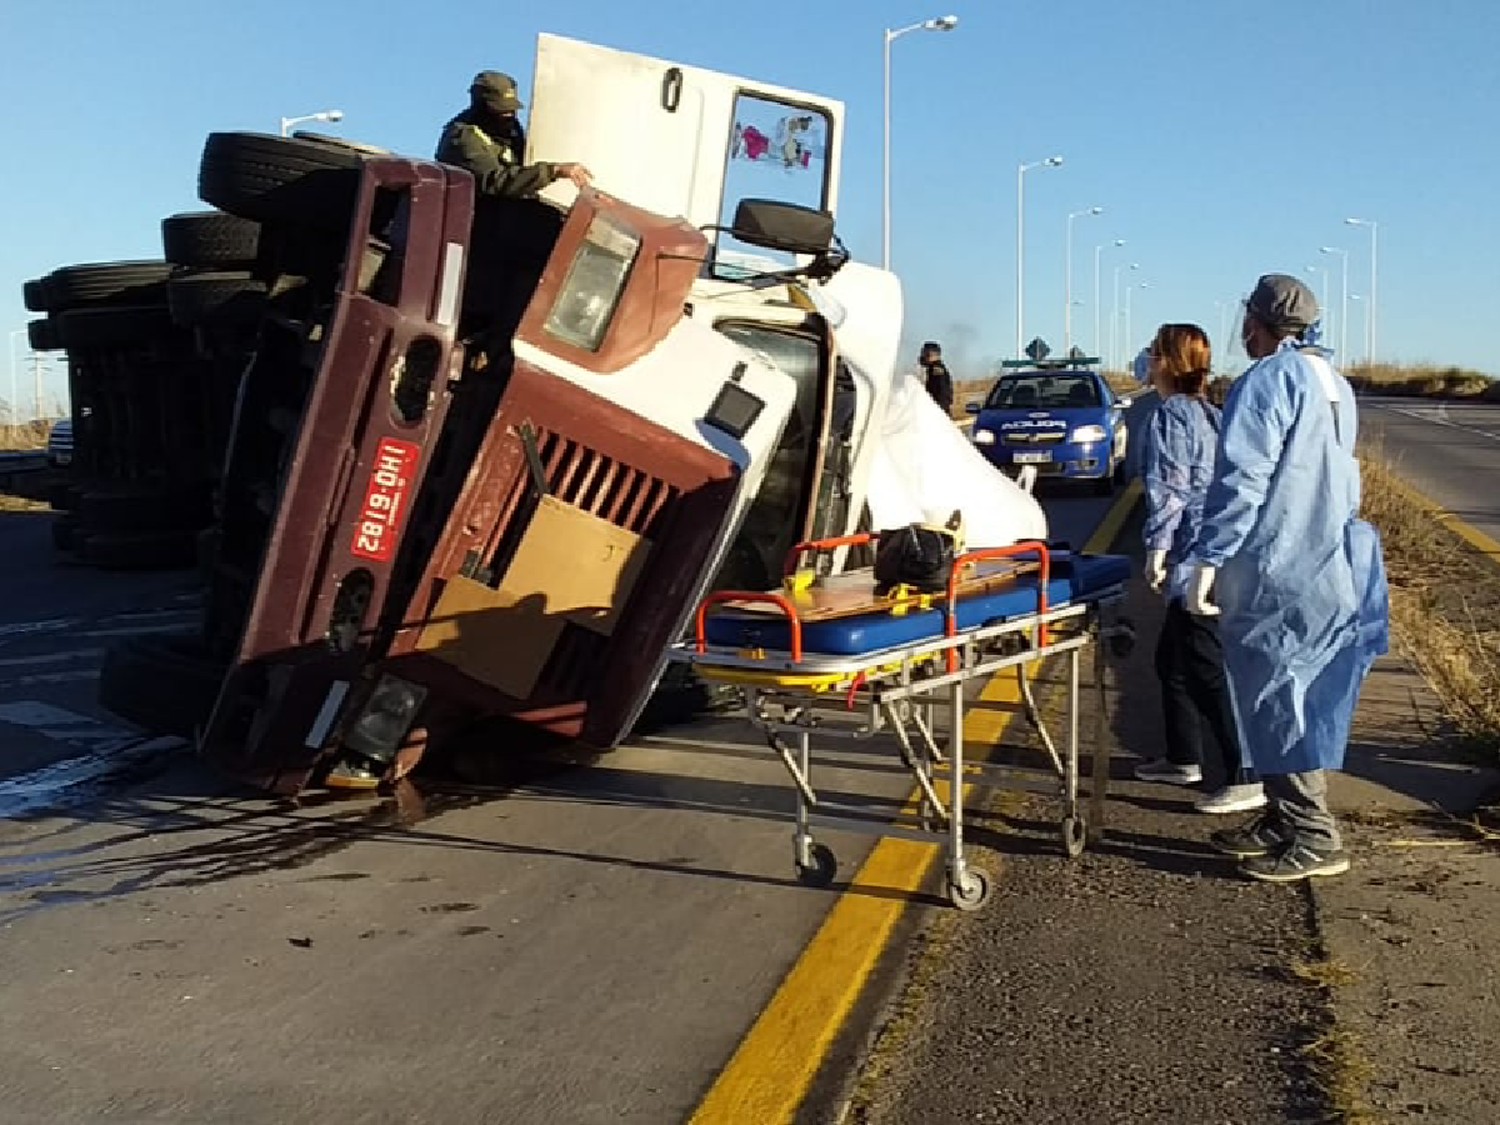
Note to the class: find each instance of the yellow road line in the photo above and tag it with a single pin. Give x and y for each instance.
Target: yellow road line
(769, 1074)
(1468, 533)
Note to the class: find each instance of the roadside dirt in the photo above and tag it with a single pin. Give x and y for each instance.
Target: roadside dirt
(1147, 982)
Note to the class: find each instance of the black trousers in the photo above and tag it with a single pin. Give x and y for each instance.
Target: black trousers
(1195, 692)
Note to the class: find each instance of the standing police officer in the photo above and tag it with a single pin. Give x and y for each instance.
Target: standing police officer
(488, 141)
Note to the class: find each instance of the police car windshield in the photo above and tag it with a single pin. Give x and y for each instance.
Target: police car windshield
(1044, 392)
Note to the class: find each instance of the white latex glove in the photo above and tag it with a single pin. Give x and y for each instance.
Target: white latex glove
(1200, 584)
(1156, 570)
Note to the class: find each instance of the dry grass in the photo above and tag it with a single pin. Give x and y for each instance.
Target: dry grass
(1343, 1074)
(1423, 380)
(27, 435)
(1445, 604)
(1324, 972)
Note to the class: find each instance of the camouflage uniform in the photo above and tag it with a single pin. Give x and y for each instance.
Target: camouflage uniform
(469, 142)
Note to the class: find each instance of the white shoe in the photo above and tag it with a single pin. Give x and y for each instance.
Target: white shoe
(1168, 772)
(1232, 799)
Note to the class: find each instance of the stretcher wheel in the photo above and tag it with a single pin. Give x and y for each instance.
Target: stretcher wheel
(973, 893)
(1075, 834)
(820, 872)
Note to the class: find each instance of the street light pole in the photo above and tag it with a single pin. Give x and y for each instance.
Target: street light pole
(1343, 301)
(1327, 285)
(1097, 249)
(1021, 170)
(321, 115)
(1129, 289)
(1068, 277)
(942, 23)
(1114, 314)
(15, 385)
(1370, 309)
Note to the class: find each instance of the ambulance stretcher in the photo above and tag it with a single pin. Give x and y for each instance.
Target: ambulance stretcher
(830, 657)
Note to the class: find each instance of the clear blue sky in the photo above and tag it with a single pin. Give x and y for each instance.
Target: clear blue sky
(1223, 140)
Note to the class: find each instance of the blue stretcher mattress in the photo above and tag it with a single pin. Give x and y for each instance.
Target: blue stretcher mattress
(1072, 577)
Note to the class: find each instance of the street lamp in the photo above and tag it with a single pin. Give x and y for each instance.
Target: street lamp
(1371, 308)
(321, 115)
(1343, 302)
(1068, 277)
(15, 385)
(942, 23)
(1129, 289)
(1327, 286)
(1097, 249)
(1021, 170)
(1114, 313)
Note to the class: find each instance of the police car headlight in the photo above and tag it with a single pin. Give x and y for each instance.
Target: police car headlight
(386, 717)
(596, 277)
(1084, 434)
(984, 437)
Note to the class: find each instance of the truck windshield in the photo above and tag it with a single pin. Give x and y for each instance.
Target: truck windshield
(1044, 392)
(774, 521)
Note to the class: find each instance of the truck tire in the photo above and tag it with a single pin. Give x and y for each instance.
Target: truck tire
(215, 298)
(113, 327)
(137, 550)
(44, 335)
(341, 142)
(279, 179)
(35, 296)
(108, 283)
(165, 684)
(209, 238)
(143, 509)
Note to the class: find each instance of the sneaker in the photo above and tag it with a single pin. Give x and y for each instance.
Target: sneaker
(1261, 836)
(1168, 772)
(1294, 862)
(1232, 799)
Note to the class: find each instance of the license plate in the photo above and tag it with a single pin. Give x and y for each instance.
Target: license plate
(1040, 458)
(385, 500)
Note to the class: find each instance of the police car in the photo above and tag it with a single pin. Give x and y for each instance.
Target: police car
(1057, 415)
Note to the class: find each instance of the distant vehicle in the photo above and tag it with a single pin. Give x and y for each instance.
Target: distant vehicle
(60, 443)
(1059, 416)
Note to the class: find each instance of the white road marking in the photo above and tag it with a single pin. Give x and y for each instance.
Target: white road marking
(51, 658)
(62, 725)
(48, 787)
(1437, 419)
(136, 630)
(25, 628)
(50, 678)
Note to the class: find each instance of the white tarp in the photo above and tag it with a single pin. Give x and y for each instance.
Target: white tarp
(925, 467)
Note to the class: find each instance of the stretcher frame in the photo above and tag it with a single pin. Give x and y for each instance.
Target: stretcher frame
(791, 695)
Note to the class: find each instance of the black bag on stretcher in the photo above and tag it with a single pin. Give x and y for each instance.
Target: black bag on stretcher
(918, 555)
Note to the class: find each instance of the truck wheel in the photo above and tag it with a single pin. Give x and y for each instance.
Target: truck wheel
(113, 327)
(44, 335)
(341, 142)
(279, 179)
(138, 550)
(164, 684)
(144, 509)
(209, 238)
(218, 298)
(108, 283)
(35, 295)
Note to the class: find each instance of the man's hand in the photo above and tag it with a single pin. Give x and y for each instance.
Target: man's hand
(1156, 570)
(580, 175)
(1200, 585)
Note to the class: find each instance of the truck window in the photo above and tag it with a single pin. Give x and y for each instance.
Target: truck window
(778, 515)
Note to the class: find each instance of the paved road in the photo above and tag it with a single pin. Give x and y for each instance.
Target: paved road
(1448, 451)
(589, 947)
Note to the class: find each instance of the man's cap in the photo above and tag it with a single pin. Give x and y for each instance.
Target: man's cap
(1283, 303)
(496, 89)
(932, 346)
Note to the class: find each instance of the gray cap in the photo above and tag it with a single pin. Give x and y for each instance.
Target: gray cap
(497, 90)
(1282, 303)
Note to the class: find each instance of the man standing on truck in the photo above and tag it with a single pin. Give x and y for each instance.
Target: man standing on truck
(488, 141)
(936, 377)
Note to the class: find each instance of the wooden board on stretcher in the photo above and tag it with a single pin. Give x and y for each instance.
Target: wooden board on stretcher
(853, 592)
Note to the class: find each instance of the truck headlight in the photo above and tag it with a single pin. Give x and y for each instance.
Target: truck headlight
(984, 437)
(385, 719)
(596, 277)
(1085, 434)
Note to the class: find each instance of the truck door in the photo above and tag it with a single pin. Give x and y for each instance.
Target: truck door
(681, 140)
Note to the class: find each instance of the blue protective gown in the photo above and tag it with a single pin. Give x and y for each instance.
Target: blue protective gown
(1177, 462)
(1301, 582)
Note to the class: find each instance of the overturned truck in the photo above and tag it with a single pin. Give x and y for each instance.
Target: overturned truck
(481, 470)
